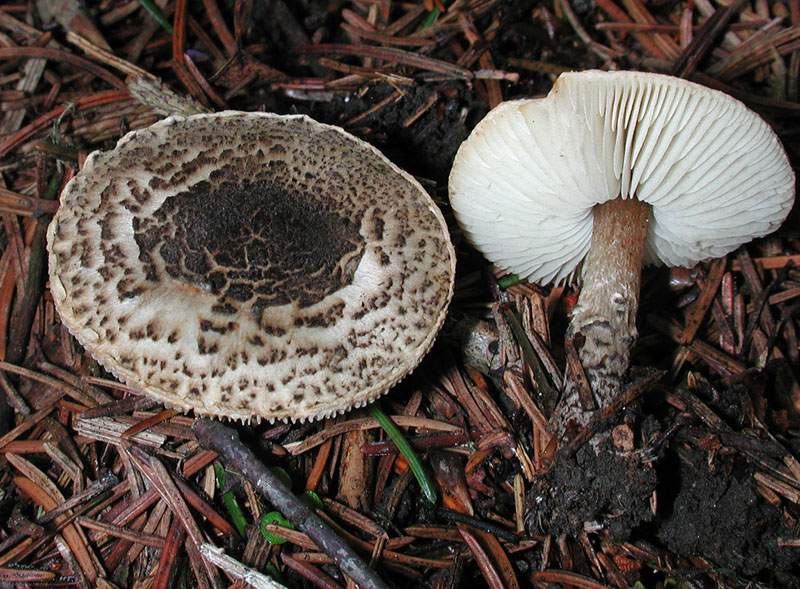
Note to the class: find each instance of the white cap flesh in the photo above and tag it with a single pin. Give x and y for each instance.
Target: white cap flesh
(249, 265)
(524, 183)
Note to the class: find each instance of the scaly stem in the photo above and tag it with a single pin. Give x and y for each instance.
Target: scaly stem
(604, 320)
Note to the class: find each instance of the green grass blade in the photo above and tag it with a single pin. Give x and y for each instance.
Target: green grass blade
(156, 13)
(394, 433)
(230, 502)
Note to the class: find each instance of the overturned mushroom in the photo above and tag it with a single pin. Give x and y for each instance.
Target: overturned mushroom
(610, 170)
(250, 265)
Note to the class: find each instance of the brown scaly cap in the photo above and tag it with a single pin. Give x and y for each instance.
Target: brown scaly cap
(251, 265)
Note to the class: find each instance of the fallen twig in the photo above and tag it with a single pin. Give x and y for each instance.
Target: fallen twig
(236, 569)
(224, 440)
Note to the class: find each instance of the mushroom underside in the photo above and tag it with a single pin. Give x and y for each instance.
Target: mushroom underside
(610, 170)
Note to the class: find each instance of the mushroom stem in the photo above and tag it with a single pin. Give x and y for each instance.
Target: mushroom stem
(605, 317)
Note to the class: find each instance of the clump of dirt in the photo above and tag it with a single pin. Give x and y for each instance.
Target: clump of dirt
(606, 487)
(420, 131)
(718, 515)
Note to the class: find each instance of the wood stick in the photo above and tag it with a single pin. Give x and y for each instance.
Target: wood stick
(224, 440)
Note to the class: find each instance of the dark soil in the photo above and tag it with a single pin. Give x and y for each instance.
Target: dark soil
(609, 488)
(427, 147)
(717, 514)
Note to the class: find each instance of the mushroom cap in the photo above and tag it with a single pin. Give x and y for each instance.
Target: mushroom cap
(524, 183)
(250, 265)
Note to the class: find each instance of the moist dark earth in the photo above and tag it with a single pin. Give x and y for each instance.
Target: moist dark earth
(426, 148)
(716, 512)
(586, 488)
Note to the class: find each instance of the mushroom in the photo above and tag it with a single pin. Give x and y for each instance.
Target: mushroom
(250, 265)
(612, 170)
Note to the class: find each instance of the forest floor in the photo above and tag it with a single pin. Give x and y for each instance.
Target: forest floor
(699, 483)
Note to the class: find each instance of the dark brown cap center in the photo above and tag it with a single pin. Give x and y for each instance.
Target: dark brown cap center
(258, 243)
